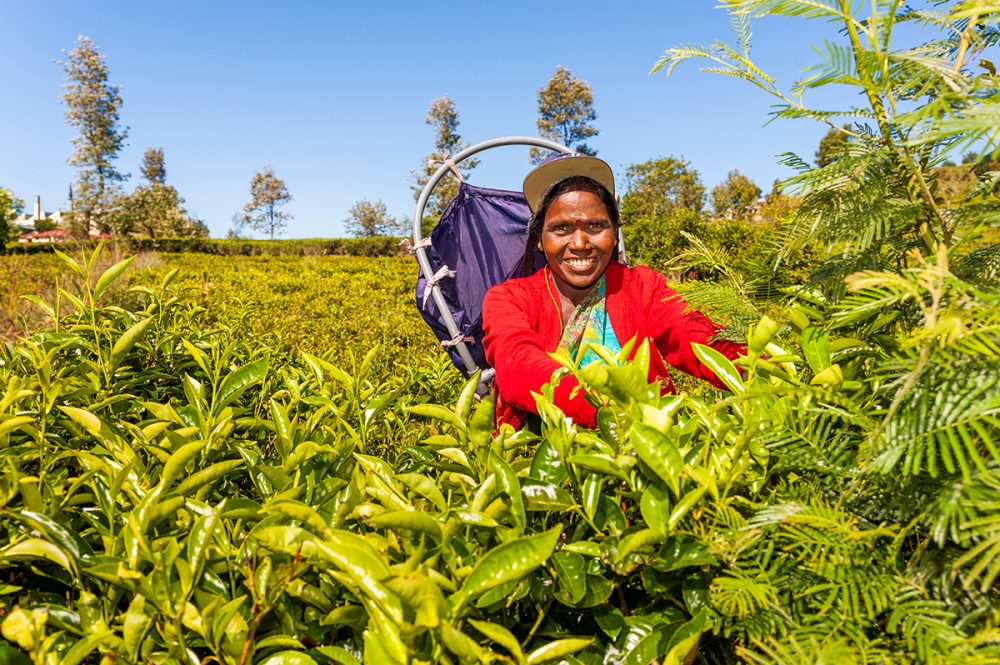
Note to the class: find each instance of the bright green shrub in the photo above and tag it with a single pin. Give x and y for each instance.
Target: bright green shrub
(335, 306)
(657, 241)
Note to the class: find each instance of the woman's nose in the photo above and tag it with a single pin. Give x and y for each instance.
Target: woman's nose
(579, 240)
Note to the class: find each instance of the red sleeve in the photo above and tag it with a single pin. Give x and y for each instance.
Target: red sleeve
(516, 351)
(674, 331)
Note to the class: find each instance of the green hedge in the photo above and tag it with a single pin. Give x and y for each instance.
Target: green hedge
(377, 246)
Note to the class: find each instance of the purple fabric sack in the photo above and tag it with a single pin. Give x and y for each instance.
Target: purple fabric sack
(481, 236)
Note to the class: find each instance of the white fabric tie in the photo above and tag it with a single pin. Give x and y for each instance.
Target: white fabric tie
(452, 166)
(442, 273)
(458, 339)
(412, 249)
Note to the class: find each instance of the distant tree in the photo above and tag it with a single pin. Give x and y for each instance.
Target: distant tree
(663, 200)
(971, 157)
(45, 224)
(153, 166)
(443, 117)
(657, 241)
(778, 206)
(154, 209)
(658, 187)
(267, 193)
(735, 197)
(93, 106)
(366, 219)
(565, 111)
(237, 230)
(10, 207)
(832, 144)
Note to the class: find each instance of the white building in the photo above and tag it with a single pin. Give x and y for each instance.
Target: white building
(39, 215)
(57, 234)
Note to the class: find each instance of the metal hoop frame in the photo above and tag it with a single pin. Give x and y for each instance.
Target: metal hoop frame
(418, 216)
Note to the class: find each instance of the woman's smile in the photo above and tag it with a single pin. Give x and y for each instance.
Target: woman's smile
(580, 263)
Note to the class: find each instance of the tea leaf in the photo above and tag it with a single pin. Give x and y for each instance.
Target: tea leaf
(439, 413)
(721, 367)
(83, 418)
(425, 487)
(36, 548)
(42, 305)
(600, 464)
(199, 540)
(207, 476)
(283, 428)
(362, 563)
(672, 641)
(408, 520)
(237, 382)
(300, 512)
(289, 658)
(816, 346)
(571, 576)
(508, 483)
(109, 276)
(558, 649)
(659, 453)
(177, 461)
(13, 423)
(501, 636)
(81, 649)
(125, 343)
(507, 563)
(460, 644)
(339, 655)
(136, 624)
(545, 497)
(73, 265)
(70, 542)
(466, 400)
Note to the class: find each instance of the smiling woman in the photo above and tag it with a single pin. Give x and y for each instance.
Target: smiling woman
(582, 296)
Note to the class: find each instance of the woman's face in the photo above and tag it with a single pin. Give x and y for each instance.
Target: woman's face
(577, 239)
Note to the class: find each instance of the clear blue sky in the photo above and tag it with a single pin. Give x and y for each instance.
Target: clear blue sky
(333, 95)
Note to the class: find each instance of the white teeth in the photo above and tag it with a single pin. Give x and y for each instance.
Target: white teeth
(579, 263)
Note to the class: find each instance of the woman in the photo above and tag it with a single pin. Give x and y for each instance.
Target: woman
(582, 295)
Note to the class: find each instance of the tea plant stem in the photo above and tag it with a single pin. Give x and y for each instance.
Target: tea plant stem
(538, 622)
(255, 618)
(623, 603)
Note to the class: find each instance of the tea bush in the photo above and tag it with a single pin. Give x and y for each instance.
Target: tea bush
(172, 492)
(338, 306)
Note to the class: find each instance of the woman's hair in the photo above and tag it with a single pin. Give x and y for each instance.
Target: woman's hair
(571, 184)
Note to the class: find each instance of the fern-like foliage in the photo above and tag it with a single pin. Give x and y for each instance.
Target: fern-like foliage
(876, 536)
(981, 265)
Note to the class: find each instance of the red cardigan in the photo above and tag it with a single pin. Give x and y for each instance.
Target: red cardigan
(522, 321)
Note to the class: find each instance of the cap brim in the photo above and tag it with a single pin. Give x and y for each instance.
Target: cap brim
(548, 173)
